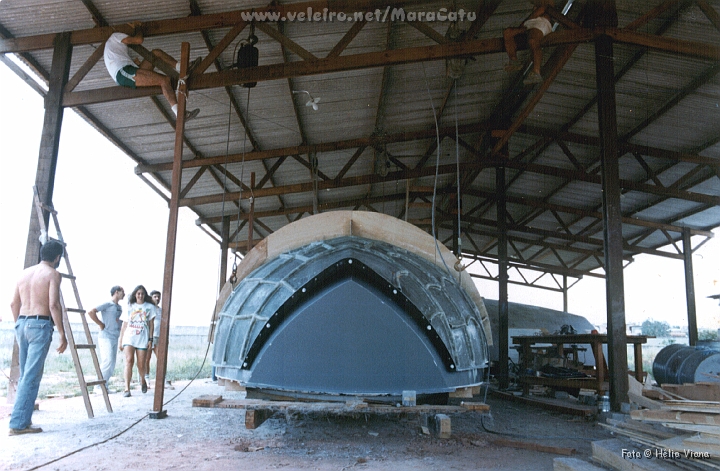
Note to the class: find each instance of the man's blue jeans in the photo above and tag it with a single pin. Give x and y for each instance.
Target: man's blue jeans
(33, 337)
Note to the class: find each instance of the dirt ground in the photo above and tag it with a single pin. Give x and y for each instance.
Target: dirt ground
(201, 439)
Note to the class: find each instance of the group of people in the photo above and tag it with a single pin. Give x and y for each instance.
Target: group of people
(37, 310)
(134, 331)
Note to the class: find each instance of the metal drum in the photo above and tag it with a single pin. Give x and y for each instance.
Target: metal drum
(679, 364)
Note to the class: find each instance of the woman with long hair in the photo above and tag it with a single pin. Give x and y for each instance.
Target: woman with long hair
(136, 334)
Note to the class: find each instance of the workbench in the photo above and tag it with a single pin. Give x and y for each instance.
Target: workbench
(596, 341)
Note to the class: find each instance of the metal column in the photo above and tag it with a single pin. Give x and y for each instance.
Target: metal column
(47, 163)
(175, 187)
(503, 345)
(612, 223)
(689, 288)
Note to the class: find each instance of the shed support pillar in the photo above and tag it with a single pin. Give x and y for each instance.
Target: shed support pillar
(175, 188)
(47, 163)
(690, 288)
(503, 333)
(612, 223)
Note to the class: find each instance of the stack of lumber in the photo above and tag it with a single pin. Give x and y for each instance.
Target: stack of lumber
(675, 427)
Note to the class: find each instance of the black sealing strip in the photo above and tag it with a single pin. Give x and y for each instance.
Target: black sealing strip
(337, 272)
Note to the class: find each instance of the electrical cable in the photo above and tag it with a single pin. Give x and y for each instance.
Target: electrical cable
(437, 171)
(207, 350)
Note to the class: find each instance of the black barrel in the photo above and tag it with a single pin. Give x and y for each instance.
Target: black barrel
(679, 364)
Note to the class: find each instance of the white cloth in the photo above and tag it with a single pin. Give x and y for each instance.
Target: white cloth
(541, 23)
(116, 54)
(137, 332)
(158, 317)
(107, 347)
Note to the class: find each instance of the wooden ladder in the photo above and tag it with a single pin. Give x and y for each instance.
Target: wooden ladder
(74, 347)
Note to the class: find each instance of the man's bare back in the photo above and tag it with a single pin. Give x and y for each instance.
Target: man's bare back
(37, 293)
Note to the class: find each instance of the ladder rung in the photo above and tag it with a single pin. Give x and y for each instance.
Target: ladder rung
(84, 345)
(70, 309)
(69, 277)
(95, 383)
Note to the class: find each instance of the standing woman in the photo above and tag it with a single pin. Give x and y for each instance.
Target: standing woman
(136, 334)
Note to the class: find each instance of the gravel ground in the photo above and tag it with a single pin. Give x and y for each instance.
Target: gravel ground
(201, 439)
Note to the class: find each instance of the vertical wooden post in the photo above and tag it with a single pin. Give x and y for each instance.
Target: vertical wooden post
(175, 184)
(565, 294)
(612, 223)
(690, 288)
(45, 174)
(251, 214)
(503, 332)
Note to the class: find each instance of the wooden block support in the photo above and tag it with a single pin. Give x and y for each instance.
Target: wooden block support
(439, 425)
(475, 406)
(207, 400)
(255, 417)
(233, 386)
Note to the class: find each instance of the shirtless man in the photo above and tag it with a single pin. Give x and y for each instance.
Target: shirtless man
(35, 307)
(535, 27)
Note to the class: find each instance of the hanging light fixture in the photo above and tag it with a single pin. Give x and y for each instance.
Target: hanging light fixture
(248, 54)
(312, 102)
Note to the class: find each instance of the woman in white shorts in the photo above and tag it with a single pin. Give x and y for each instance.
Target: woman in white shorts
(136, 334)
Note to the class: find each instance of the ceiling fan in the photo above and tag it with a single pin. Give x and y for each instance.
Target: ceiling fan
(312, 102)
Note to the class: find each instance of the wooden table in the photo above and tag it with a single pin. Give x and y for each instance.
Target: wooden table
(595, 341)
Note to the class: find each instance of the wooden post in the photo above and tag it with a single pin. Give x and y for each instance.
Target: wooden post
(565, 294)
(175, 184)
(690, 288)
(612, 223)
(503, 332)
(45, 175)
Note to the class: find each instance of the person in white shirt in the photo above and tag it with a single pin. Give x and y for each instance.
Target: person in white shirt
(535, 27)
(136, 334)
(133, 73)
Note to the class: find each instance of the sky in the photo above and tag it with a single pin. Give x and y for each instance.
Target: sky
(116, 228)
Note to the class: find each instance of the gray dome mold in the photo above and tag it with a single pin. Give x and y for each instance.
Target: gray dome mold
(350, 316)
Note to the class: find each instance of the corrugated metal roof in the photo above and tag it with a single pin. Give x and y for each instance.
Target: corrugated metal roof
(667, 115)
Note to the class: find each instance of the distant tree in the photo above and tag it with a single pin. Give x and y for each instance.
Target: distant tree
(707, 335)
(656, 328)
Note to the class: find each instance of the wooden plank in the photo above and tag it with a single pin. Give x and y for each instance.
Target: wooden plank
(710, 407)
(640, 427)
(620, 455)
(705, 391)
(711, 444)
(704, 429)
(558, 450)
(352, 406)
(675, 417)
(550, 404)
(678, 445)
(574, 464)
